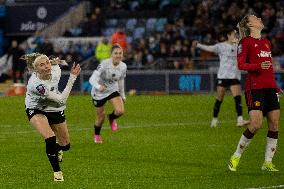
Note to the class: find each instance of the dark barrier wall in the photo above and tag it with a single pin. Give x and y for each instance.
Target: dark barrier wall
(168, 82)
(189, 82)
(25, 19)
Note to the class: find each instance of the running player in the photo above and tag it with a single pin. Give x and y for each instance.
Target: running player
(108, 85)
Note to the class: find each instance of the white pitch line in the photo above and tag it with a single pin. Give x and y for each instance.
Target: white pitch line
(122, 127)
(267, 187)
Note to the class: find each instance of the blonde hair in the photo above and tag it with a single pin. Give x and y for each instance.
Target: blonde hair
(33, 58)
(30, 59)
(243, 27)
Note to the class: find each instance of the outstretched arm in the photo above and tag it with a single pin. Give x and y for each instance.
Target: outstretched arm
(61, 98)
(209, 48)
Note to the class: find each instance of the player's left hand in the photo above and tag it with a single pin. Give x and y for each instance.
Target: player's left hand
(76, 69)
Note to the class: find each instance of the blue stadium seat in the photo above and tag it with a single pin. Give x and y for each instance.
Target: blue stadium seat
(160, 24)
(111, 22)
(131, 23)
(109, 31)
(138, 32)
(150, 23)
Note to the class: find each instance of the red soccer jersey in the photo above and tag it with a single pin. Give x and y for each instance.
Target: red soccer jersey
(251, 53)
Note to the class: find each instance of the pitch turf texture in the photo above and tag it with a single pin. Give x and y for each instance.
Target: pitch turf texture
(163, 142)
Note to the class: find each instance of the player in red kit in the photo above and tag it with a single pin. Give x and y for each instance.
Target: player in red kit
(261, 90)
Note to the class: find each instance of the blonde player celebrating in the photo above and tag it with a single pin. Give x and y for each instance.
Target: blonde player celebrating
(45, 105)
(228, 75)
(108, 85)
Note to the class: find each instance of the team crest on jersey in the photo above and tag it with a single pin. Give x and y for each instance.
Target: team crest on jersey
(257, 103)
(40, 88)
(266, 45)
(240, 48)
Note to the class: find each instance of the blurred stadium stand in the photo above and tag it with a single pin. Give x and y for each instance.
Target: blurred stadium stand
(159, 32)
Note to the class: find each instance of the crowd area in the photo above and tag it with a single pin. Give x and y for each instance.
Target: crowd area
(158, 34)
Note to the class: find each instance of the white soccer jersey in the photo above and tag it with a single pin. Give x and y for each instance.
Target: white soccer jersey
(38, 90)
(107, 75)
(227, 53)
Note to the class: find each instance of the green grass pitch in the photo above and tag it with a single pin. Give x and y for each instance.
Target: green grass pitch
(163, 142)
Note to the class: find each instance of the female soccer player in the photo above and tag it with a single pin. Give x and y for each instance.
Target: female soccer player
(45, 105)
(254, 56)
(228, 75)
(108, 85)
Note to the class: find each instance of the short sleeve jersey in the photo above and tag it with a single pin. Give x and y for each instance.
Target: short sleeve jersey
(38, 90)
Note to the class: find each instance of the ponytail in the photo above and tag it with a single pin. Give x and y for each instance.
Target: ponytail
(244, 30)
(30, 59)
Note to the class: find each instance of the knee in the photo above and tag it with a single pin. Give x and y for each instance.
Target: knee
(273, 126)
(256, 124)
(101, 116)
(119, 112)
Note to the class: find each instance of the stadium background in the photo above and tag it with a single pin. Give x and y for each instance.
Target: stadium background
(158, 36)
(165, 141)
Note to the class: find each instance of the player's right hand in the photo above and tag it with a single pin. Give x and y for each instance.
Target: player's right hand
(265, 65)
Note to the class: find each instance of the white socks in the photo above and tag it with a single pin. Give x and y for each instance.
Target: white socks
(271, 145)
(243, 143)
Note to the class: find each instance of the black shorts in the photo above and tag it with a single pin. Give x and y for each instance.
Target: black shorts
(52, 117)
(227, 82)
(264, 100)
(100, 103)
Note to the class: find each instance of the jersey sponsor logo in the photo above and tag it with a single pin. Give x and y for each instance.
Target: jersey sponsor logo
(264, 54)
(257, 103)
(40, 88)
(240, 48)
